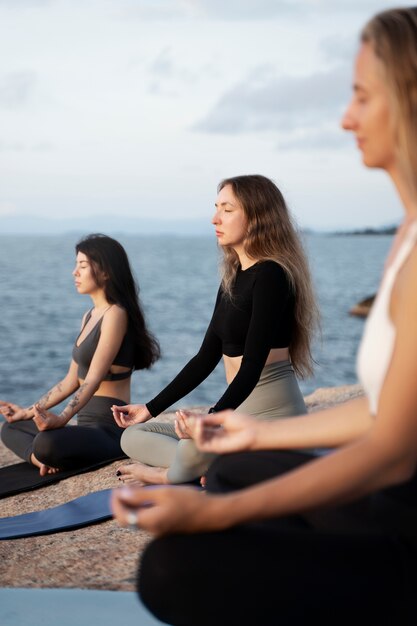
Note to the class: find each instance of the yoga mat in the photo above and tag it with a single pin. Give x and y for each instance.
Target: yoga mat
(72, 607)
(22, 477)
(83, 511)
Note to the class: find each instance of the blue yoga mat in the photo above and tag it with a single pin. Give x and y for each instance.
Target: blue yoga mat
(72, 607)
(84, 511)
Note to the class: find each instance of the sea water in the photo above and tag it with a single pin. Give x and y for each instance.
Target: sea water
(178, 277)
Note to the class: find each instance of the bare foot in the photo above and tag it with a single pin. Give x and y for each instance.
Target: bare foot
(44, 470)
(141, 473)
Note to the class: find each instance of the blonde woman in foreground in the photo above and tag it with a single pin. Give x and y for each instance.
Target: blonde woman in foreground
(334, 539)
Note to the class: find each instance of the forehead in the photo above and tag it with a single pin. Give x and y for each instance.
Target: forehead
(368, 73)
(226, 195)
(82, 257)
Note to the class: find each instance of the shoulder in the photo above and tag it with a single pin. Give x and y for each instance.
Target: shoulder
(116, 315)
(270, 271)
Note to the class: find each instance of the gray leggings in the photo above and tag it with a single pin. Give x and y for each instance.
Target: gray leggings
(276, 395)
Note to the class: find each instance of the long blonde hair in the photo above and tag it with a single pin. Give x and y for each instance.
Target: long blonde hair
(393, 37)
(272, 236)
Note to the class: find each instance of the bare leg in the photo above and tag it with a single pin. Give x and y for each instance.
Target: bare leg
(43, 469)
(141, 473)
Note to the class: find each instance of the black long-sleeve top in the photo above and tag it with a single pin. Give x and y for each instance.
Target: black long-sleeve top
(257, 318)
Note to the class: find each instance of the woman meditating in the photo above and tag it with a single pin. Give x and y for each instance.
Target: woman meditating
(293, 539)
(112, 343)
(261, 325)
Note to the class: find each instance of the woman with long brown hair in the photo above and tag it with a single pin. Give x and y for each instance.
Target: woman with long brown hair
(330, 540)
(262, 325)
(112, 343)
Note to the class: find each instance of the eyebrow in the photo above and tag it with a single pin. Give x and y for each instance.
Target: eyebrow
(357, 87)
(216, 204)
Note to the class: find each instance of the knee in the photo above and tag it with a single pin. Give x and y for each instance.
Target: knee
(226, 473)
(130, 441)
(45, 449)
(6, 429)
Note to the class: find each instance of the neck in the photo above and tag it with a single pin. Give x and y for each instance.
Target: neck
(406, 193)
(244, 260)
(99, 300)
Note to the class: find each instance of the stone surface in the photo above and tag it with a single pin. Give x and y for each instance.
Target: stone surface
(103, 556)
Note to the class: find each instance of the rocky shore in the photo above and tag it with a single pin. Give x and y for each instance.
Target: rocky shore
(103, 556)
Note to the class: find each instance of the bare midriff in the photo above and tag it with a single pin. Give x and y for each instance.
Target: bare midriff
(114, 388)
(233, 363)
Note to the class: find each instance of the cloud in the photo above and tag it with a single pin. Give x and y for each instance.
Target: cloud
(166, 75)
(13, 4)
(163, 64)
(279, 103)
(340, 50)
(16, 89)
(240, 10)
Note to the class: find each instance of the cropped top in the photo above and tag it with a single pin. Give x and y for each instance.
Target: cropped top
(377, 345)
(83, 354)
(257, 318)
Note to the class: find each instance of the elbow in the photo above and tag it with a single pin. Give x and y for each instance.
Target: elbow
(405, 470)
(93, 382)
(401, 468)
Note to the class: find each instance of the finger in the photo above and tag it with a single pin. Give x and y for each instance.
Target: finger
(214, 419)
(40, 413)
(117, 419)
(121, 408)
(178, 430)
(139, 496)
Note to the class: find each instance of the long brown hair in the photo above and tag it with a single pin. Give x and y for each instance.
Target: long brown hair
(109, 258)
(393, 37)
(271, 235)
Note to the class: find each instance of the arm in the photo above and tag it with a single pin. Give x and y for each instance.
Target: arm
(330, 428)
(113, 329)
(385, 456)
(196, 370)
(270, 296)
(55, 395)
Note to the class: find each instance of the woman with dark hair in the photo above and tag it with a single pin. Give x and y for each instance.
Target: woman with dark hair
(261, 325)
(112, 343)
(285, 538)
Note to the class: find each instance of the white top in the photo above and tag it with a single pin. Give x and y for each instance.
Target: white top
(377, 345)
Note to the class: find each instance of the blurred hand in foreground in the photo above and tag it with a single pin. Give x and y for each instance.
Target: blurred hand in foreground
(164, 510)
(130, 414)
(225, 432)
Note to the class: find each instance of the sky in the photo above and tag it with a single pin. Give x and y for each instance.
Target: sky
(136, 109)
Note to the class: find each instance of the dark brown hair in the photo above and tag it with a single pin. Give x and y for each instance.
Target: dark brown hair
(111, 270)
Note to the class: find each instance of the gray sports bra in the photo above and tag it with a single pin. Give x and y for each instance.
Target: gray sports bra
(83, 354)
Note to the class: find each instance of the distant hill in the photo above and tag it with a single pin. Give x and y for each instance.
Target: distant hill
(383, 230)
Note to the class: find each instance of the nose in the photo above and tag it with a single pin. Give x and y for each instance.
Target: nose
(348, 121)
(216, 218)
(75, 271)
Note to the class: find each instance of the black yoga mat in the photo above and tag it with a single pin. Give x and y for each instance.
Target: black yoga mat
(25, 477)
(84, 511)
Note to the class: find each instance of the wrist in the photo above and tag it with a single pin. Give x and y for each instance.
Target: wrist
(221, 512)
(261, 435)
